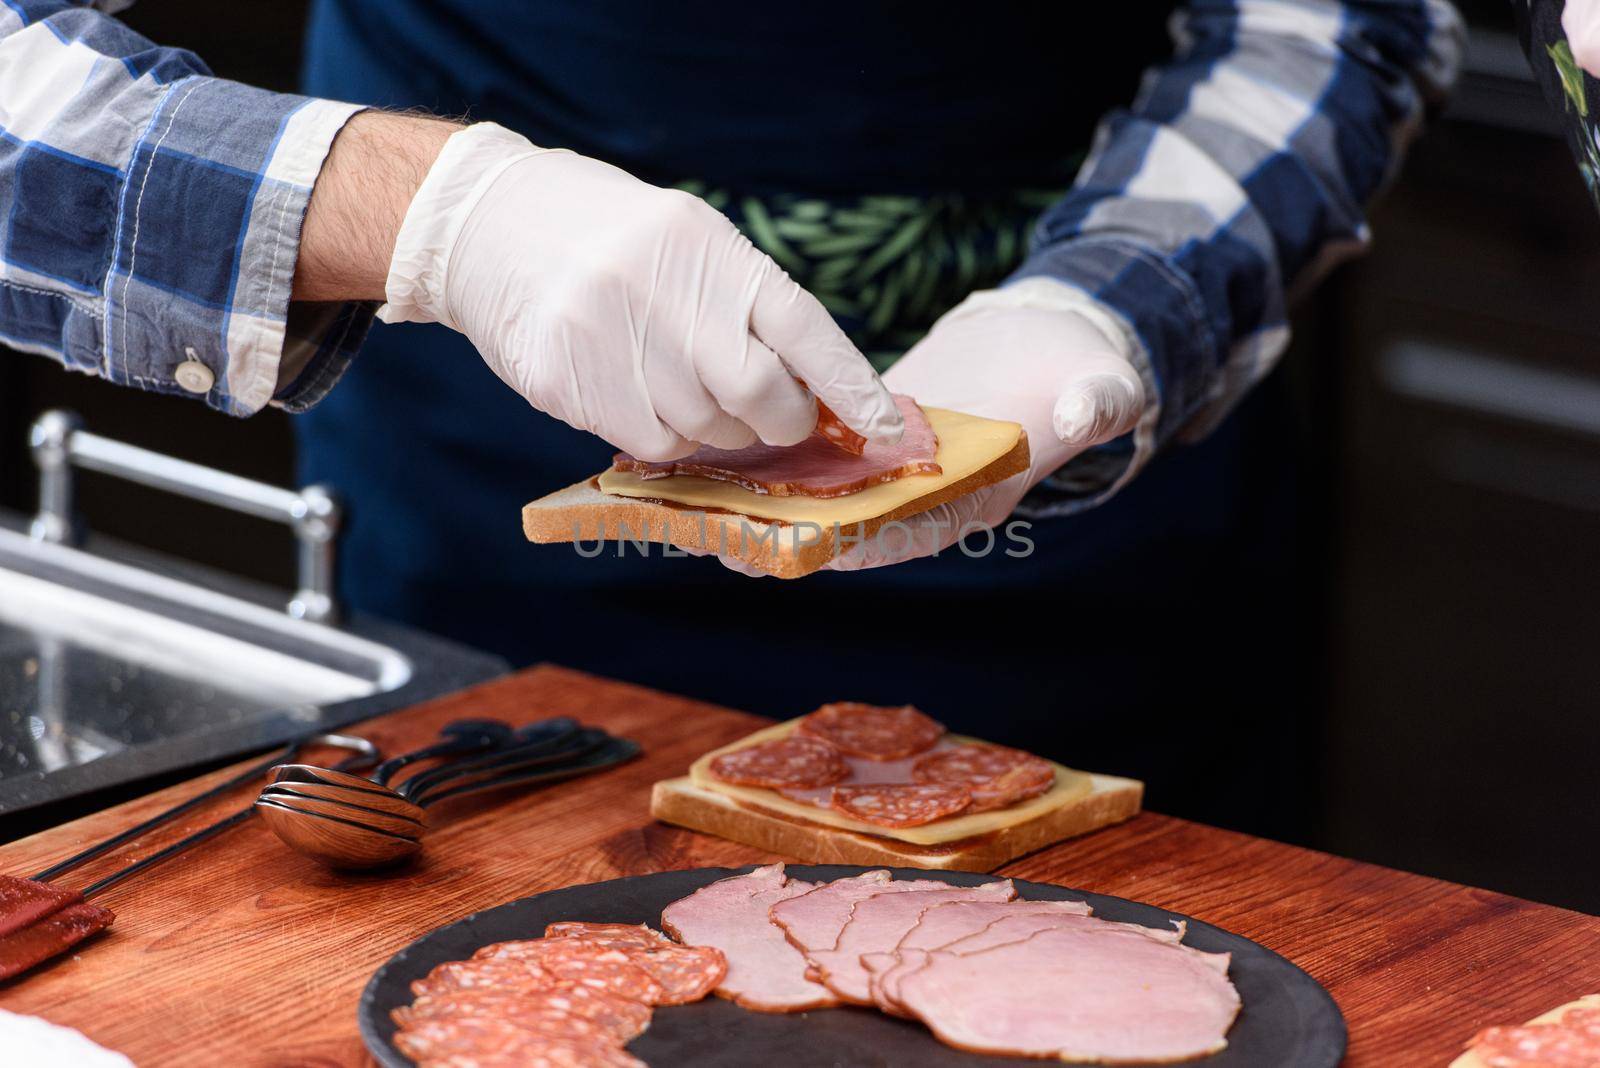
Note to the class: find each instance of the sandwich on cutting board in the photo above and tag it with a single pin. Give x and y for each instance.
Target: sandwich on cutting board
(786, 510)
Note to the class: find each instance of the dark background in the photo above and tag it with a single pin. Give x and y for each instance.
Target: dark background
(1445, 572)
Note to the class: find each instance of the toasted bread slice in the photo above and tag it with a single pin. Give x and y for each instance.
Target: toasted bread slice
(681, 802)
(1077, 803)
(783, 536)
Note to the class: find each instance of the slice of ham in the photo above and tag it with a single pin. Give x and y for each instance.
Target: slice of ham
(1022, 922)
(877, 924)
(813, 920)
(814, 468)
(942, 925)
(1089, 992)
(765, 973)
(1014, 929)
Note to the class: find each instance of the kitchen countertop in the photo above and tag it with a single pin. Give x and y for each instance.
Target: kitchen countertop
(241, 953)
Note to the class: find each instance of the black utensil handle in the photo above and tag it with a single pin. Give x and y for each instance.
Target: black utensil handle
(454, 743)
(559, 751)
(196, 838)
(255, 771)
(172, 850)
(619, 751)
(549, 735)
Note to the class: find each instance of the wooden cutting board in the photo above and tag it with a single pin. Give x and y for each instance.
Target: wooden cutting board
(242, 954)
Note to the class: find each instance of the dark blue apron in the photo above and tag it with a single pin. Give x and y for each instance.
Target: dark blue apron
(1120, 621)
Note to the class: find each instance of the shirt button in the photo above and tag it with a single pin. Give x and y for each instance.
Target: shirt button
(194, 376)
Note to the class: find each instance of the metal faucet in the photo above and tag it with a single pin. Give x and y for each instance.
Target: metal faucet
(59, 443)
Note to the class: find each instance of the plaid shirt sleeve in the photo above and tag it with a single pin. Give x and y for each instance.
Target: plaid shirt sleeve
(1236, 180)
(152, 216)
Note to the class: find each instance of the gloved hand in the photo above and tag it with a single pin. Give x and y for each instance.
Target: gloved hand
(1580, 21)
(1038, 353)
(638, 313)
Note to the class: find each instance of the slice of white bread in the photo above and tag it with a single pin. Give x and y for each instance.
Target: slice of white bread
(679, 801)
(1078, 802)
(1470, 1059)
(783, 536)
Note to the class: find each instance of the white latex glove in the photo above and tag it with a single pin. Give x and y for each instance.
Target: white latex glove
(638, 313)
(1580, 21)
(1038, 353)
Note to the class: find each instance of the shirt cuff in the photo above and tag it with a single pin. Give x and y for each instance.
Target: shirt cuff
(1170, 343)
(207, 233)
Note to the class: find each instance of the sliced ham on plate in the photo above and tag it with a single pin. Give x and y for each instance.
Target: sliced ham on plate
(1094, 991)
(814, 919)
(1022, 919)
(877, 924)
(817, 467)
(981, 969)
(765, 972)
(952, 922)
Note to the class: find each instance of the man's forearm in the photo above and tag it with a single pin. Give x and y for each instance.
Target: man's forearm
(360, 199)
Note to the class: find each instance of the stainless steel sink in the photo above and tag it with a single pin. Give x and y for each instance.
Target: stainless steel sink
(111, 671)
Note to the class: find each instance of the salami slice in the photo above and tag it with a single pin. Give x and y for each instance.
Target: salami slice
(795, 762)
(832, 427)
(901, 804)
(506, 975)
(1572, 1041)
(872, 731)
(622, 1019)
(579, 961)
(541, 950)
(686, 973)
(620, 976)
(613, 934)
(482, 1040)
(996, 775)
(588, 964)
(469, 1030)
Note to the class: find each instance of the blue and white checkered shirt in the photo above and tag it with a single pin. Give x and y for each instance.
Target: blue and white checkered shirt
(153, 215)
(153, 212)
(1236, 180)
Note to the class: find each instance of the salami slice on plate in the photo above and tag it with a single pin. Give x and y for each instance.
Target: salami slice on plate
(616, 935)
(490, 1041)
(686, 973)
(621, 1018)
(482, 974)
(872, 731)
(901, 804)
(794, 762)
(584, 963)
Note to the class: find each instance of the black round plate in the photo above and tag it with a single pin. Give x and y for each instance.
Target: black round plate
(1287, 1020)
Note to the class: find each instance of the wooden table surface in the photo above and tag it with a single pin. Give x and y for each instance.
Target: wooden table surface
(241, 953)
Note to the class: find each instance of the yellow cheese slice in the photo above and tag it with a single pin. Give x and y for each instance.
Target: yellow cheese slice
(1069, 786)
(967, 444)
